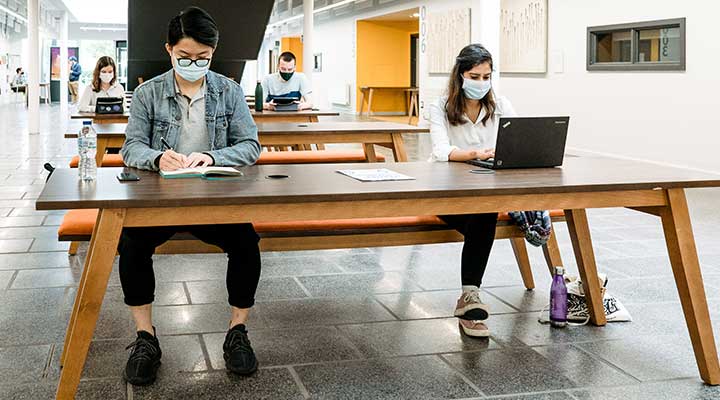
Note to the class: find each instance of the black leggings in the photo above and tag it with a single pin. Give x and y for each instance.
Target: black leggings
(479, 232)
(239, 241)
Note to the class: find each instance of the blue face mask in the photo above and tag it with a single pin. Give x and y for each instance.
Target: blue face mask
(476, 90)
(192, 72)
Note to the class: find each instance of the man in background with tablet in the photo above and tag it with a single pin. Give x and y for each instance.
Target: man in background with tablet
(287, 83)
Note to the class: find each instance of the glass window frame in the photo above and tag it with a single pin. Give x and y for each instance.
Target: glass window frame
(635, 64)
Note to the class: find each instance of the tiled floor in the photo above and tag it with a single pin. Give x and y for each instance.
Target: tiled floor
(347, 324)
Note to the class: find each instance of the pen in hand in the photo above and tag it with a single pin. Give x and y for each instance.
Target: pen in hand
(166, 146)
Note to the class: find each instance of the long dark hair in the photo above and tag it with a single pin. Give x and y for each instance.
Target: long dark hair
(194, 23)
(470, 57)
(103, 62)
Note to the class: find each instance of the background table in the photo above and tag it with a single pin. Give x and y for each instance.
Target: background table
(411, 98)
(317, 192)
(291, 116)
(102, 118)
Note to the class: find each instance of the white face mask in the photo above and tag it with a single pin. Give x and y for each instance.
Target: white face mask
(107, 77)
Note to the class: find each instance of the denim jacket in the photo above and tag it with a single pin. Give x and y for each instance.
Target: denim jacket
(154, 113)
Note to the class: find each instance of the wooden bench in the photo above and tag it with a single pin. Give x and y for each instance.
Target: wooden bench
(77, 226)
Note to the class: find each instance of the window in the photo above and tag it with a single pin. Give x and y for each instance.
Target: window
(643, 46)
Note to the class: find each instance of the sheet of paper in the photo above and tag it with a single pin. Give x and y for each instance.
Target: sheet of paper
(375, 175)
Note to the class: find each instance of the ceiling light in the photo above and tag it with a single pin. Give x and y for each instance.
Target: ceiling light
(101, 28)
(318, 10)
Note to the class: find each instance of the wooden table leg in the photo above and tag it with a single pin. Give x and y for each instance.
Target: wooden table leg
(551, 251)
(582, 245)
(369, 152)
(399, 147)
(523, 260)
(686, 269)
(362, 101)
(370, 97)
(98, 264)
(102, 145)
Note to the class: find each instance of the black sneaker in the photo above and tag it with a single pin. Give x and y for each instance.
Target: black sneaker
(144, 361)
(239, 356)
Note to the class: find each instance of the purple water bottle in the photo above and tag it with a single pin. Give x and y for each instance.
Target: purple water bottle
(558, 299)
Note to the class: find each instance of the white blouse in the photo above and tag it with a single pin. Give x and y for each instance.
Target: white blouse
(89, 97)
(445, 137)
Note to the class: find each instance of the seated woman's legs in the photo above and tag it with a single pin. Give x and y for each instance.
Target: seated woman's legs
(479, 233)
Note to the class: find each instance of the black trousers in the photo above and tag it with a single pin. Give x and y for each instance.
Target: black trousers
(479, 233)
(238, 241)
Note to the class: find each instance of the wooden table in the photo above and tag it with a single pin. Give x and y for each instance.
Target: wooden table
(368, 133)
(411, 98)
(291, 116)
(317, 192)
(102, 118)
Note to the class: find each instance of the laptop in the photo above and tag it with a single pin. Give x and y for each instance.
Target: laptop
(528, 142)
(286, 103)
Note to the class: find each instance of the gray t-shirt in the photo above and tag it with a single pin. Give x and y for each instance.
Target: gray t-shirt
(193, 129)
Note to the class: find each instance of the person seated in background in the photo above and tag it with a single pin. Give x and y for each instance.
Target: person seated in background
(74, 79)
(287, 83)
(19, 82)
(104, 84)
(205, 120)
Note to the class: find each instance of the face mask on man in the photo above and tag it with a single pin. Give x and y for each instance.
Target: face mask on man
(286, 75)
(107, 77)
(476, 90)
(190, 70)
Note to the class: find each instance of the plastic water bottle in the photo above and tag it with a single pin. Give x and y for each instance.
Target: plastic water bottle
(258, 97)
(558, 299)
(87, 148)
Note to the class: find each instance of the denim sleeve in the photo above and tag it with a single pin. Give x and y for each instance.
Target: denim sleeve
(137, 151)
(243, 145)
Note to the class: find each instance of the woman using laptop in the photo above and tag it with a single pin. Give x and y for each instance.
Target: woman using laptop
(104, 84)
(463, 127)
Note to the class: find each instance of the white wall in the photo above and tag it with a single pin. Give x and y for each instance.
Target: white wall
(336, 40)
(668, 117)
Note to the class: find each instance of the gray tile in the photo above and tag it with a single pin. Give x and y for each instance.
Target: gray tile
(28, 391)
(201, 318)
(43, 244)
(642, 267)
(23, 364)
(582, 368)
(202, 292)
(540, 396)
(271, 384)
(298, 266)
(105, 389)
(5, 277)
(418, 305)
(16, 303)
(31, 211)
(53, 220)
(15, 245)
(315, 312)
(631, 248)
(425, 377)
(649, 290)
(520, 298)
(285, 347)
(21, 221)
(51, 277)
(357, 284)
(46, 234)
(403, 338)
(492, 371)
(4, 212)
(32, 328)
(686, 389)
(34, 260)
(178, 268)
(649, 358)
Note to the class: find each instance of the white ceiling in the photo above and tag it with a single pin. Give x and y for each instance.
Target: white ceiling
(99, 12)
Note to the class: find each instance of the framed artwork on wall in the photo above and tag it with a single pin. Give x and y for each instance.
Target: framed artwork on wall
(523, 36)
(448, 32)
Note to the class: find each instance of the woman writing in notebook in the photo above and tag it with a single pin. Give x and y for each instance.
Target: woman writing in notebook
(463, 127)
(104, 84)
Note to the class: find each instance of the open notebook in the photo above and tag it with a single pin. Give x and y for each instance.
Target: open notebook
(201, 172)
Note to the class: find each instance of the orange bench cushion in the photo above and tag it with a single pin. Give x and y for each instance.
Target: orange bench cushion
(81, 223)
(109, 160)
(271, 157)
(313, 156)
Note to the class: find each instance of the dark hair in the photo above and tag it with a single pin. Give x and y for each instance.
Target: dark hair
(17, 70)
(194, 23)
(469, 57)
(288, 56)
(103, 62)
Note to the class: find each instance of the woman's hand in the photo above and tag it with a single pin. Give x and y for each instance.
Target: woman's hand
(471, 154)
(269, 106)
